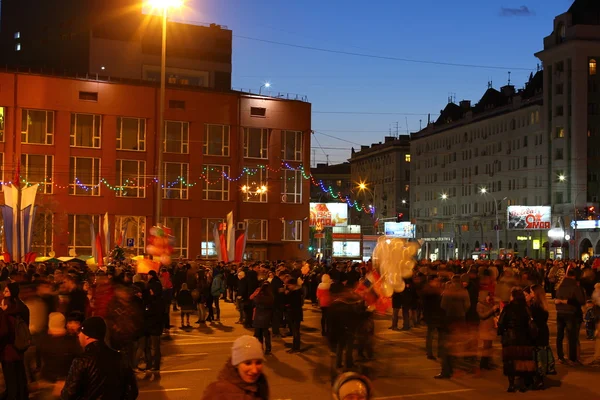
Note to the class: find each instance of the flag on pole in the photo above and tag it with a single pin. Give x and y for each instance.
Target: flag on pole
(217, 240)
(240, 245)
(230, 237)
(106, 234)
(93, 239)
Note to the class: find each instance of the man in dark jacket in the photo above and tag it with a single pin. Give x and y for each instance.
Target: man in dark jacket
(433, 314)
(569, 300)
(153, 327)
(278, 289)
(100, 372)
(293, 304)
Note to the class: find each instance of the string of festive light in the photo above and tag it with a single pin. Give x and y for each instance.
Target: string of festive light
(219, 175)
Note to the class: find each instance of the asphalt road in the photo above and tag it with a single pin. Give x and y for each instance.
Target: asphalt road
(193, 358)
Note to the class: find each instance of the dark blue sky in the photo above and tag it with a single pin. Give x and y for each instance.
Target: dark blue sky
(502, 33)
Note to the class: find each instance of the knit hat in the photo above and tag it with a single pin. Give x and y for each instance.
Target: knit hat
(137, 278)
(94, 327)
(354, 386)
(326, 278)
(56, 324)
(246, 348)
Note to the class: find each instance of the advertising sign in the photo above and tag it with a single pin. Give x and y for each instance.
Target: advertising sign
(325, 215)
(400, 229)
(529, 218)
(346, 249)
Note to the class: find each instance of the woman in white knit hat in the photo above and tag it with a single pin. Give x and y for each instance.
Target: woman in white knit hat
(242, 376)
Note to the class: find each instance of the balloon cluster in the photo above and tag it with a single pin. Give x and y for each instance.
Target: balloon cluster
(371, 290)
(160, 244)
(394, 258)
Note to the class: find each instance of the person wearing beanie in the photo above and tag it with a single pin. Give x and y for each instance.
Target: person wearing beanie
(324, 298)
(57, 350)
(242, 376)
(100, 372)
(352, 386)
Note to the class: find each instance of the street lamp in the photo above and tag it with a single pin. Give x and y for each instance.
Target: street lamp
(163, 5)
(484, 191)
(266, 85)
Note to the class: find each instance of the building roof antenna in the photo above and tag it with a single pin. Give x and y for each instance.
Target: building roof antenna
(508, 78)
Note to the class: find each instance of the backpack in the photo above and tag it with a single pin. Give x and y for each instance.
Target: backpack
(22, 335)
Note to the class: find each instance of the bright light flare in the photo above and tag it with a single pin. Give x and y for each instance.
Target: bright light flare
(444, 196)
(483, 190)
(162, 4)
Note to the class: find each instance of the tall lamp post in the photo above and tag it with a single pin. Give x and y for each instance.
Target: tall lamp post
(164, 6)
(484, 191)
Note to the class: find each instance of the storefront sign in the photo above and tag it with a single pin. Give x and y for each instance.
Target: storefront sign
(586, 224)
(529, 218)
(346, 249)
(400, 229)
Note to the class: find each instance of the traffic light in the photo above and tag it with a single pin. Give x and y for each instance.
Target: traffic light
(399, 217)
(310, 248)
(591, 212)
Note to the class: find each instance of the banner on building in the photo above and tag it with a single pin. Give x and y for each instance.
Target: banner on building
(328, 214)
(403, 229)
(529, 217)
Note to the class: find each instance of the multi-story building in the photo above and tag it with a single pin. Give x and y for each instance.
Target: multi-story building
(532, 147)
(92, 146)
(111, 38)
(381, 178)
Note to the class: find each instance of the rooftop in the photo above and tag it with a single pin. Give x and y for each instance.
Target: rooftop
(389, 143)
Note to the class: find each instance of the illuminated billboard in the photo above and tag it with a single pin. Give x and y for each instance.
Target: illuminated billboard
(325, 215)
(529, 217)
(346, 249)
(400, 229)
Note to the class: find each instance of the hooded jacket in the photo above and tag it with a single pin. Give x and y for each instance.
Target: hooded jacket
(323, 293)
(229, 386)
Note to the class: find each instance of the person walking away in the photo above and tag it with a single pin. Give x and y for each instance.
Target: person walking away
(471, 283)
(243, 296)
(569, 300)
(57, 350)
(14, 314)
(167, 296)
(231, 285)
(596, 299)
(278, 288)
(455, 303)
(242, 377)
(433, 314)
(263, 306)
(487, 311)
(185, 301)
(346, 313)
(153, 328)
(408, 298)
(517, 349)
(544, 359)
(396, 306)
(217, 289)
(100, 372)
(293, 302)
(324, 298)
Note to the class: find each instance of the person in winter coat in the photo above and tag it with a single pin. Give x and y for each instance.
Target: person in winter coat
(293, 307)
(324, 297)
(12, 360)
(517, 351)
(185, 301)
(242, 376)
(487, 311)
(153, 327)
(433, 314)
(263, 303)
(217, 289)
(538, 307)
(243, 297)
(569, 300)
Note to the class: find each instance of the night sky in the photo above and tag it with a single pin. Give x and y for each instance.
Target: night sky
(502, 34)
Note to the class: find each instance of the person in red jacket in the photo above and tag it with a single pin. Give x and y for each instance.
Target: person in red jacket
(324, 297)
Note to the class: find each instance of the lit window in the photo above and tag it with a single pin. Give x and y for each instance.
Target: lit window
(84, 176)
(175, 181)
(17, 35)
(131, 134)
(37, 126)
(207, 245)
(216, 184)
(131, 181)
(38, 169)
(180, 228)
(593, 67)
(85, 130)
(130, 233)
(80, 234)
(254, 187)
(18, 47)
(2, 124)
(560, 132)
(407, 157)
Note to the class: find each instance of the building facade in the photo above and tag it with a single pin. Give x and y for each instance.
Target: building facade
(92, 147)
(111, 38)
(532, 147)
(380, 176)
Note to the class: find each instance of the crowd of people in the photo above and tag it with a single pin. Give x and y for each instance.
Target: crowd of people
(60, 323)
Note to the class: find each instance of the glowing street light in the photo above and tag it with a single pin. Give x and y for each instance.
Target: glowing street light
(444, 196)
(266, 85)
(483, 190)
(561, 178)
(164, 6)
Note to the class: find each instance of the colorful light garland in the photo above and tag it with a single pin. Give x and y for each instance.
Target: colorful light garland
(181, 182)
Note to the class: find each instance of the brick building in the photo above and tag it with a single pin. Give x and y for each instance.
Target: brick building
(92, 145)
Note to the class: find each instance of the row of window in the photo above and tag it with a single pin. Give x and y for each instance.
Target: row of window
(130, 231)
(131, 179)
(37, 127)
